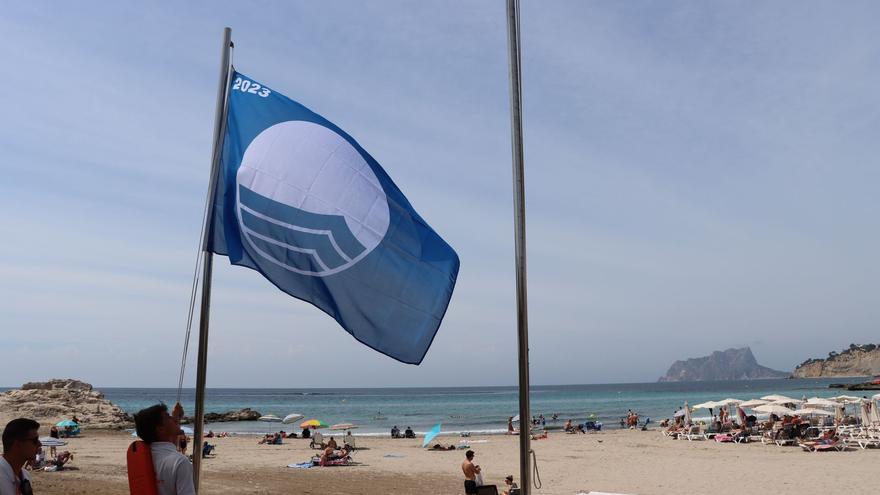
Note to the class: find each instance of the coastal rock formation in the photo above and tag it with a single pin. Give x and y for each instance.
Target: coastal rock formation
(57, 400)
(857, 360)
(732, 364)
(246, 414)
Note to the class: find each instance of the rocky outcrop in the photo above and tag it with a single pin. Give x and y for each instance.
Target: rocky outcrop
(732, 364)
(246, 414)
(57, 400)
(857, 360)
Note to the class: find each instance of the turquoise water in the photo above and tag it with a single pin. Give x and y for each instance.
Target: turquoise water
(474, 409)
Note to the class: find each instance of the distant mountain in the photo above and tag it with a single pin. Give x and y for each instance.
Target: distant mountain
(732, 364)
(858, 360)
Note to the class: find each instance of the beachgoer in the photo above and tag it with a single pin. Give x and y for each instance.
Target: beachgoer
(568, 426)
(395, 432)
(181, 443)
(510, 485)
(21, 442)
(157, 428)
(409, 433)
(510, 430)
(348, 440)
(470, 471)
(332, 444)
(305, 433)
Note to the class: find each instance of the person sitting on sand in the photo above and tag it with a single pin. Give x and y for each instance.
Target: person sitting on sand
(510, 430)
(568, 426)
(409, 433)
(305, 433)
(331, 444)
(395, 432)
(580, 429)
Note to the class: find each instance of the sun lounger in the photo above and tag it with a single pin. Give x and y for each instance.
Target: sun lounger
(696, 433)
(837, 445)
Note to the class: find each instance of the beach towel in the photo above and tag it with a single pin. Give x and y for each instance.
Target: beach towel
(301, 465)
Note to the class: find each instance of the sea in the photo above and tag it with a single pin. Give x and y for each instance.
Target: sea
(478, 410)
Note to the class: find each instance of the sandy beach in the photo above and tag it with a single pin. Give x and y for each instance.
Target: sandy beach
(624, 461)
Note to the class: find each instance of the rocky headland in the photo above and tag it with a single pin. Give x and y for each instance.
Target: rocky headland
(857, 360)
(60, 399)
(732, 364)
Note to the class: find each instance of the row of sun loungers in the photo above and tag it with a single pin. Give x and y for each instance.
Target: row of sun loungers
(813, 439)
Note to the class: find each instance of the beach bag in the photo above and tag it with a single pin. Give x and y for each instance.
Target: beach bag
(479, 479)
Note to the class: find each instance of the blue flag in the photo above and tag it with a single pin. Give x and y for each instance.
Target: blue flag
(298, 200)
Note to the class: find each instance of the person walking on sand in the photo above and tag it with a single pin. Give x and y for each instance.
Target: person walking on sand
(21, 442)
(470, 471)
(157, 428)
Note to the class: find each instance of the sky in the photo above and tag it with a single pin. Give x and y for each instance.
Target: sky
(699, 176)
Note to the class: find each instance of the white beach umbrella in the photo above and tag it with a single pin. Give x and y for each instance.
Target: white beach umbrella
(752, 403)
(290, 418)
(773, 409)
(865, 413)
(876, 397)
(707, 405)
(875, 413)
(846, 399)
(812, 412)
(820, 402)
(779, 398)
(687, 414)
(728, 401)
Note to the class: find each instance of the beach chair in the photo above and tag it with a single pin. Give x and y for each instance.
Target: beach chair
(317, 441)
(349, 442)
(696, 432)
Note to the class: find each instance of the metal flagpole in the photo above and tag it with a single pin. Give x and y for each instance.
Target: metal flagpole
(519, 212)
(207, 257)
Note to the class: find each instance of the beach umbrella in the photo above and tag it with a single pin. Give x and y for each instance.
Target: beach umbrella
(317, 423)
(343, 426)
(812, 412)
(752, 403)
(52, 442)
(865, 413)
(728, 401)
(431, 434)
(678, 413)
(687, 414)
(875, 413)
(846, 399)
(876, 397)
(290, 418)
(271, 418)
(820, 402)
(67, 423)
(516, 418)
(778, 398)
(773, 409)
(707, 405)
